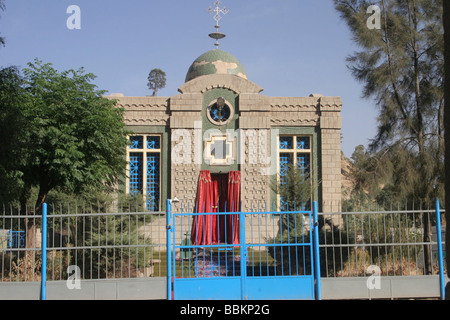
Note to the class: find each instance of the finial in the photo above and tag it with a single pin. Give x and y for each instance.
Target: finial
(217, 17)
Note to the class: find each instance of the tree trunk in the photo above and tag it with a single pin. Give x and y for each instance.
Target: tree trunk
(427, 248)
(446, 20)
(420, 134)
(40, 201)
(27, 259)
(32, 218)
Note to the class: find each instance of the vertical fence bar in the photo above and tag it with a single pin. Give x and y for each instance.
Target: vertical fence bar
(169, 248)
(44, 252)
(441, 256)
(243, 253)
(317, 252)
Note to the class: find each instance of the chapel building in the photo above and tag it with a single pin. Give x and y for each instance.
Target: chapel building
(221, 128)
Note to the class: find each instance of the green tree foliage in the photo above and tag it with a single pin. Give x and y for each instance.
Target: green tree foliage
(63, 134)
(12, 95)
(118, 247)
(401, 67)
(365, 183)
(295, 188)
(385, 179)
(156, 80)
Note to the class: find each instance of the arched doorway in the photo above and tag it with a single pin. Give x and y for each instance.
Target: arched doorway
(217, 194)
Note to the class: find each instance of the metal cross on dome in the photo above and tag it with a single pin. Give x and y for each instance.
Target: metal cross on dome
(218, 11)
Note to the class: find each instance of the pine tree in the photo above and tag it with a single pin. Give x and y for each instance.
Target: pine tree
(401, 67)
(295, 190)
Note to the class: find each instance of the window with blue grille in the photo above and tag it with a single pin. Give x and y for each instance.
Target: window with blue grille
(144, 166)
(153, 142)
(153, 181)
(304, 162)
(286, 143)
(136, 142)
(286, 159)
(294, 151)
(136, 173)
(303, 143)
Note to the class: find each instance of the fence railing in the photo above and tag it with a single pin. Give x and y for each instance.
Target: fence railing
(20, 246)
(94, 245)
(395, 243)
(117, 245)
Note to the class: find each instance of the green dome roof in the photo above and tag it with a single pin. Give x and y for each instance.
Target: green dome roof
(215, 62)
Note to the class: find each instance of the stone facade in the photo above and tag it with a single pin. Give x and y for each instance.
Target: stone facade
(258, 122)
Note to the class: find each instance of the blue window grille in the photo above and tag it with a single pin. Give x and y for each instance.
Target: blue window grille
(145, 168)
(136, 173)
(303, 143)
(286, 143)
(16, 239)
(136, 142)
(153, 181)
(153, 143)
(286, 159)
(290, 156)
(304, 162)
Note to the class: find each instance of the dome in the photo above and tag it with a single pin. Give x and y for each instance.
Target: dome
(215, 62)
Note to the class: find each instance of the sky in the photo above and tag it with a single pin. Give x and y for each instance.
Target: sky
(288, 47)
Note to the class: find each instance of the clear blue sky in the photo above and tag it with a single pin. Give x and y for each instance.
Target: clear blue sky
(288, 47)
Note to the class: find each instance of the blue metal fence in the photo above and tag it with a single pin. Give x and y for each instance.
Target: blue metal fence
(274, 257)
(440, 250)
(279, 251)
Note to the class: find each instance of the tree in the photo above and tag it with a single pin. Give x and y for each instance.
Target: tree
(156, 80)
(72, 138)
(367, 175)
(401, 67)
(295, 189)
(446, 20)
(12, 96)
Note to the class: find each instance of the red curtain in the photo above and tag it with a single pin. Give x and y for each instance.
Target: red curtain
(233, 205)
(202, 225)
(217, 193)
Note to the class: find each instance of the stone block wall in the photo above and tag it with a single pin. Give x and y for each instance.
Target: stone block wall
(257, 114)
(330, 129)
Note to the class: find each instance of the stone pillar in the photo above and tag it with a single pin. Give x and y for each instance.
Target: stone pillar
(254, 126)
(186, 148)
(330, 157)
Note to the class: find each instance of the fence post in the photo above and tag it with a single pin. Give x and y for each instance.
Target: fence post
(44, 252)
(243, 254)
(316, 252)
(169, 248)
(440, 253)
